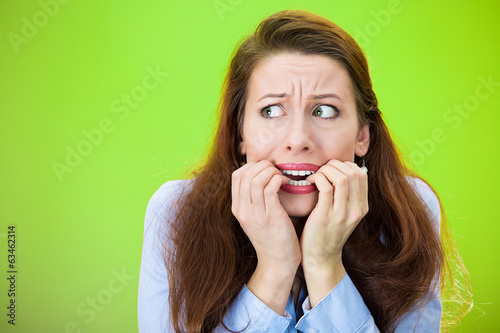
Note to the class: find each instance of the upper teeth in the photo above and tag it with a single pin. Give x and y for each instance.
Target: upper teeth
(297, 172)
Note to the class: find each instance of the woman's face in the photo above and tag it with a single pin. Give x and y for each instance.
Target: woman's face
(301, 109)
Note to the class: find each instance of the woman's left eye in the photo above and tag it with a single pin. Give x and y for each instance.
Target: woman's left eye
(325, 111)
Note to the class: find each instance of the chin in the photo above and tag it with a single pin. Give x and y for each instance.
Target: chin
(298, 205)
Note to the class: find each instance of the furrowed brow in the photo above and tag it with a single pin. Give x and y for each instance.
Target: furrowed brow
(323, 96)
(274, 96)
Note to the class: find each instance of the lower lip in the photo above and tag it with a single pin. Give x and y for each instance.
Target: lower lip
(298, 189)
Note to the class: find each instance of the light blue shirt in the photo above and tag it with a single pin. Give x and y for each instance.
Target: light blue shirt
(342, 310)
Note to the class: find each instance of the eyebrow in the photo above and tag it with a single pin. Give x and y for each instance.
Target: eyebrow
(327, 96)
(273, 96)
(315, 97)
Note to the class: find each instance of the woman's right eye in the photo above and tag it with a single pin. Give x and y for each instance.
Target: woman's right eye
(271, 111)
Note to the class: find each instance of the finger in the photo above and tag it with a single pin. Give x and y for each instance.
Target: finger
(363, 185)
(353, 180)
(248, 172)
(340, 184)
(236, 189)
(355, 202)
(271, 192)
(325, 188)
(259, 183)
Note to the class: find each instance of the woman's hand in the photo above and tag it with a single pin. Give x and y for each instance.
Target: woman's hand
(342, 203)
(256, 205)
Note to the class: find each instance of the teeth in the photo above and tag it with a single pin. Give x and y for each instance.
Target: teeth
(298, 172)
(299, 182)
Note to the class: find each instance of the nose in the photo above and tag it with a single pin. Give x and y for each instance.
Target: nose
(299, 136)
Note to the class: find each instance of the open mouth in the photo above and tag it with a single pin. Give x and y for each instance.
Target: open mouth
(298, 177)
(298, 172)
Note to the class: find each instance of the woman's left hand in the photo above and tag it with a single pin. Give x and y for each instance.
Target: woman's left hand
(342, 203)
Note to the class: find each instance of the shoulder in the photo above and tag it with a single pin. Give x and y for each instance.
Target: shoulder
(427, 195)
(167, 194)
(161, 204)
(157, 220)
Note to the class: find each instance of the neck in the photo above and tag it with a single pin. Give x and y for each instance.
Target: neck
(299, 223)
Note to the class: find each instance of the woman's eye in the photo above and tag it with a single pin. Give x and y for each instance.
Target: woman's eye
(272, 111)
(325, 111)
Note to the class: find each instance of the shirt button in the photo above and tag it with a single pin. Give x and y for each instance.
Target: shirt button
(311, 331)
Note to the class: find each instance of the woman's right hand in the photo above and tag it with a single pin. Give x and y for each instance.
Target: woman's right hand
(256, 205)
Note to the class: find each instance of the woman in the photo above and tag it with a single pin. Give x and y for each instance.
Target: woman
(304, 218)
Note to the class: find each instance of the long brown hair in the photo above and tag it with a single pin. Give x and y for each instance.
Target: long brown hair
(393, 255)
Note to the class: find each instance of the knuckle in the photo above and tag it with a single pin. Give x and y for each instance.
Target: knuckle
(358, 215)
(266, 162)
(263, 163)
(328, 190)
(351, 174)
(268, 191)
(246, 178)
(241, 218)
(257, 181)
(235, 175)
(343, 180)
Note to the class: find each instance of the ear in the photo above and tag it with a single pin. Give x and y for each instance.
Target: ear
(363, 141)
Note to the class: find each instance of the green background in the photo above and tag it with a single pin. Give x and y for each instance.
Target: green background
(66, 70)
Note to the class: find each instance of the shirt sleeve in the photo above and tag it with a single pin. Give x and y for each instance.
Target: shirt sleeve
(250, 314)
(343, 309)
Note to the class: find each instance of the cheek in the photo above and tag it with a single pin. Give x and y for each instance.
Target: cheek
(339, 145)
(260, 142)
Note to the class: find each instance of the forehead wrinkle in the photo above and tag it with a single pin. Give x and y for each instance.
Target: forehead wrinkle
(315, 88)
(325, 87)
(282, 77)
(296, 92)
(300, 92)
